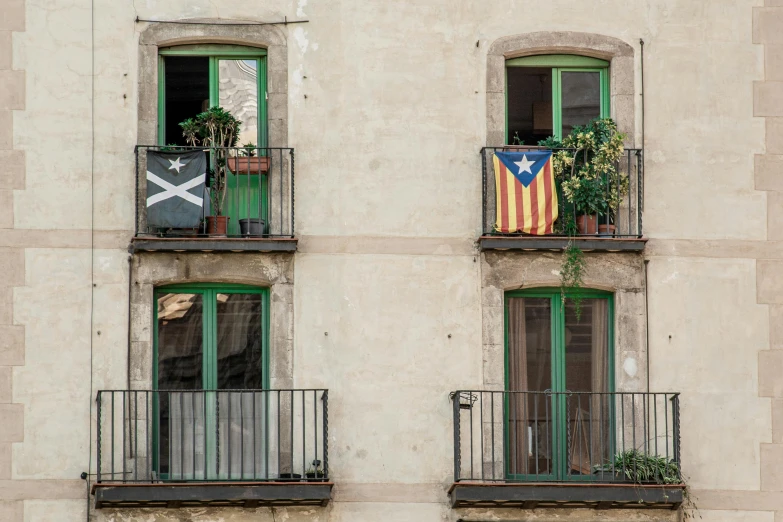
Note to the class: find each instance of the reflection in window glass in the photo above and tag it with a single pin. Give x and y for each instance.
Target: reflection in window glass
(239, 341)
(581, 98)
(238, 94)
(180, 341)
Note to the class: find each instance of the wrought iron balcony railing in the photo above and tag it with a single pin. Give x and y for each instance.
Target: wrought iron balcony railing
(259, 193)
(547, 436)
(181, 436)
(624, 222)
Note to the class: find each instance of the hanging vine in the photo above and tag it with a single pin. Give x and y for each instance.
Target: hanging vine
(571, 269)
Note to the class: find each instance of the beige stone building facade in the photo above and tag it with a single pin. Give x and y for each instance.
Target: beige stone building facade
(375, 275)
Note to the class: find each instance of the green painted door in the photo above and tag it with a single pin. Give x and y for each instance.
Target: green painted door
(559, 410)
(193, 78)
(209, 349)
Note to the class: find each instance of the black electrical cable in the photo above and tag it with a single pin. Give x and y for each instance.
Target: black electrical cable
(86, 475)
(205, 22)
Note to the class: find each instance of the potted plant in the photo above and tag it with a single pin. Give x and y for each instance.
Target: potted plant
(588, 196)
(247, 162)
(216, 129)
(636, 466)
(315, 473)
(593, 152)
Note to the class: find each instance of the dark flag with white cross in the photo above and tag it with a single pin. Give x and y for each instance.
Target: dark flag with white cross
(175, 188)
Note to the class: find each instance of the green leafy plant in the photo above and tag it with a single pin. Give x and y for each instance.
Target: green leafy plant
(248, 150)
(641, 467)
(516, 140)
(588, 195)
(594, 150)
(572, 268)
(215, 128)
(315, 470)
(172, 147)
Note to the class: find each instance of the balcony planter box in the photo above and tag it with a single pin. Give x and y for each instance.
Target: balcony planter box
(249, 165)
(290, 477)
(610, 476)
(315, 477)
(217, 225)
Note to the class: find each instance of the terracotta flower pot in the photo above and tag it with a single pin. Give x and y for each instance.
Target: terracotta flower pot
(217, 225)
(607, 230)
(587, 225)
(249, 165)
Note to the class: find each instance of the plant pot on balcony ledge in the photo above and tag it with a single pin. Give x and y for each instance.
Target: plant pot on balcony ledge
(252, 227)
(315, 477)
(290, 477)
(609, 476)
(249, 165)
(607, 230)
(587, 224)
(217, 225)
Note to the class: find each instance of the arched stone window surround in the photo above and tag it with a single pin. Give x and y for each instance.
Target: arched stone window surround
(269, 37)
(619, 273)
(152, 270)
(619, 54)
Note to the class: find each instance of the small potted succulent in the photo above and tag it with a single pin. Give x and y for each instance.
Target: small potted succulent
(248, 162)
(315, 473)
(215, 129)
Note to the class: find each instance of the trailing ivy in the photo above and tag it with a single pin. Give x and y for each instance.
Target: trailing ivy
(571, 269)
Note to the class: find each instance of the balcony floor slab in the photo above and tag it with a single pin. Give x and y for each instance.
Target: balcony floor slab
(238, 494)
(568, 495)
(555, 243)
(212, 244)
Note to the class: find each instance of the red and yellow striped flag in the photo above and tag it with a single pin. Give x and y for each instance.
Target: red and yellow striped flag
(525, 189)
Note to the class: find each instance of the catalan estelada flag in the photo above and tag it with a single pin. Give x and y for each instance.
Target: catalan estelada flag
(526, 195)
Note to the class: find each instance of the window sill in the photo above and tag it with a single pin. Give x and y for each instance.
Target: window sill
(210, 244)
(585, 243)
(237, 494)
(533, 495)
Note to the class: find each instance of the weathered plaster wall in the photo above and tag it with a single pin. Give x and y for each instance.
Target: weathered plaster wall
(387, 109)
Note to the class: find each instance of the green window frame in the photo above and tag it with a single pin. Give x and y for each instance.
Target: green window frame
(558, 373)
(209, 294)
(247, 192)
(215, 53)
(560, 63)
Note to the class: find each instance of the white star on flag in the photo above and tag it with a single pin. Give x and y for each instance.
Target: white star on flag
(176, 165)
(524, 165)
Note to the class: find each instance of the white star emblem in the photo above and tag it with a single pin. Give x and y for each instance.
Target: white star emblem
(524, 165)
(177, 164)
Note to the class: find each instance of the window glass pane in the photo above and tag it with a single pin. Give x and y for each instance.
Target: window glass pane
(186, 92)
(581, 98)
(180, 342)
(239, 341)
(530, 419)
(180, 357)
(529, 104)
(238, 94)
(587, 370)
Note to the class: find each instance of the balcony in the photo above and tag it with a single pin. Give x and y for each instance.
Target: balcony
(258, 201)
(566, 449)
(183, 448)
(621, 231)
